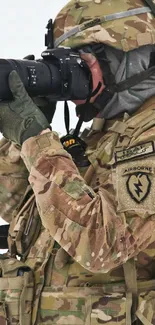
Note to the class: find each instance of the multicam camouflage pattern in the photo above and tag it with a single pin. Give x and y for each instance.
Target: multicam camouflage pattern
(13, 179)
(96, 225)
(83, 306)
(91, 227)
(79, 218)
(125, 34)
(16, 293)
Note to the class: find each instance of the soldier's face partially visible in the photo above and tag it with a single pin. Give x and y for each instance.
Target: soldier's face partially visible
(96, 72)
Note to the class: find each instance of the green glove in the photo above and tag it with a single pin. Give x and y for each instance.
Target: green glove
(20, 118)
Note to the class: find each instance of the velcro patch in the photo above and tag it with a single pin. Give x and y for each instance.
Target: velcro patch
(134, 152)
(135, 185)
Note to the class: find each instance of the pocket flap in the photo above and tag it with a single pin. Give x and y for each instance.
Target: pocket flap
(146, 307)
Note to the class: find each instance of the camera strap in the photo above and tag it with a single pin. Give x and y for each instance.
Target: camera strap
(71, 142)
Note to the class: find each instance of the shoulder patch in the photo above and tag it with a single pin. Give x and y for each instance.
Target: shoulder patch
(138, 186)
(135, 185)
(135, 152)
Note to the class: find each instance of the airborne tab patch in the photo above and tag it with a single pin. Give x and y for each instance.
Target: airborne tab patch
(133, 152)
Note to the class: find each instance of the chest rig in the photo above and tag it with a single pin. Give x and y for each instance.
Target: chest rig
(39, 300)
(126, 131)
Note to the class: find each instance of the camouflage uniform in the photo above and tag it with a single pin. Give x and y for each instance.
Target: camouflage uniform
(100, 228)
(106, 227)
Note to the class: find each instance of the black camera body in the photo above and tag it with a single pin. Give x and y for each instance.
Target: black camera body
(61, 73)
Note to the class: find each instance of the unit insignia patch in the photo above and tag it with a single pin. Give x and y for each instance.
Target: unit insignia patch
(138, 186)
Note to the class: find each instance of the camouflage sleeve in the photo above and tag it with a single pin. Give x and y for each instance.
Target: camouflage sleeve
(85, 224)
(13, 178)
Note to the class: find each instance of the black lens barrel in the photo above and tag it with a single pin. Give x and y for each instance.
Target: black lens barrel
(62, 78)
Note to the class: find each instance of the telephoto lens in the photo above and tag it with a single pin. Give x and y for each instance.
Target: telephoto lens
(61, 73)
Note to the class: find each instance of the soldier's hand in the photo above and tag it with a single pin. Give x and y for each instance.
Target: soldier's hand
(46, 105)
(20, 118)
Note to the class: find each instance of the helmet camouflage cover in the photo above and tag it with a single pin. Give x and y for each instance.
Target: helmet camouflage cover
(123, 24)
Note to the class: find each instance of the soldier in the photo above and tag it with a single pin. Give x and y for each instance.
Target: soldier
(87, 243)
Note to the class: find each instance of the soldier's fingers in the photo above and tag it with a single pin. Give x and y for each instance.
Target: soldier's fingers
(17, 88)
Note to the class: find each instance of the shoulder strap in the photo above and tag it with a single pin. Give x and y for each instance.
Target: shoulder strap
(131, 128)
(130, 275)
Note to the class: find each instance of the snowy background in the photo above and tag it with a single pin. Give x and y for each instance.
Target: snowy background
(22, 29)
(22, 32)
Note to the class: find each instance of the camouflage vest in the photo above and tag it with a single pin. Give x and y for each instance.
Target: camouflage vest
(47, 286)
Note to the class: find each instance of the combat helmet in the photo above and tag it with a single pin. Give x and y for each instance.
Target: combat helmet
(123, 24)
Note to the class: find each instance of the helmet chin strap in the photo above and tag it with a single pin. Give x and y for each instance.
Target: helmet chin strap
(96, 108)
(108, 92)
(88, 110)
